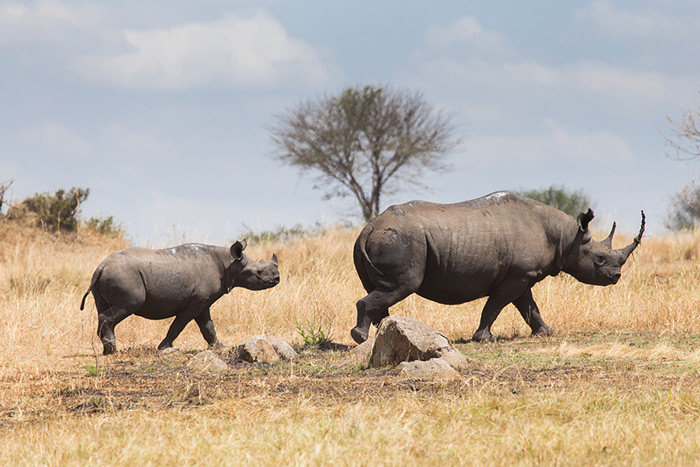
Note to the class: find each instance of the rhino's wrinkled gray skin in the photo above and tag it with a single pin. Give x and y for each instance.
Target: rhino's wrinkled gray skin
(183, 281)
(497, 246)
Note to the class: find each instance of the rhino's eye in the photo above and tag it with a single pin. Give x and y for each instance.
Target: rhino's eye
(599, 259)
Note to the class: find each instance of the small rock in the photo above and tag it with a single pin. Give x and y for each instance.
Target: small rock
(282, 348)
(257, 350)
(207, 360)
(358, 354)
(433, 369)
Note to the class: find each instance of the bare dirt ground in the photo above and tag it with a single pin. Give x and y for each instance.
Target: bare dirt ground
(141, 378)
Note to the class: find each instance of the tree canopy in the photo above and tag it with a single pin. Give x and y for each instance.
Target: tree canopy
(365, 142)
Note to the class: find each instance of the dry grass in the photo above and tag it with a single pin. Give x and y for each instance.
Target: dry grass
(617, 385)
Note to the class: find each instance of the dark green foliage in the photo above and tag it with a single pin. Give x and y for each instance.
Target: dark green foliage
(57, 212)
(571, 202)
(105, 226)
(283, 234)
(685, 208)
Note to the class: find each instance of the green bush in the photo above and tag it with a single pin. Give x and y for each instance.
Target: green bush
(57, 212)
(105, 226)
(283, 234)
(571, 202)
(685, 208)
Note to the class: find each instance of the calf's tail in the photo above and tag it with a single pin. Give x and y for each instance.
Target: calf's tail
(95, 277)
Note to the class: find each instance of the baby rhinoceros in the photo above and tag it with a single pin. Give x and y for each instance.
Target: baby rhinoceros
(183, 281)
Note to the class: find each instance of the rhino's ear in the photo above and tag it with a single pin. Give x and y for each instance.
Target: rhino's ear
(237, 249)
(584, 219)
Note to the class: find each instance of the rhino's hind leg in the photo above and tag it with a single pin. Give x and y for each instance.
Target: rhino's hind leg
(531, 314)
(372, 309)
(106, 322)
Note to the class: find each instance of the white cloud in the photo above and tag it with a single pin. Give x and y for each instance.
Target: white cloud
(466, 31)
(551, 143)
(530, 85)
(640, 22)
(235, 50)
(56, 138)
(43, 21)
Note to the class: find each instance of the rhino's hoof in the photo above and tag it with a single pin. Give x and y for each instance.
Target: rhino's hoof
(109, 348)
(483, 336)
(544, 331)
(359, 335)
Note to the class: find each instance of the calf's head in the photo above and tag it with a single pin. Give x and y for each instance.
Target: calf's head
(594, 262)
(253, 275)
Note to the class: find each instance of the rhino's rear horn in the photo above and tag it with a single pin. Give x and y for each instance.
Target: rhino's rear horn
(608, 241)
(274, 258)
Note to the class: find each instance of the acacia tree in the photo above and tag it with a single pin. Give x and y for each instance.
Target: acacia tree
(366, 142)
(685, 135)
(685, 141)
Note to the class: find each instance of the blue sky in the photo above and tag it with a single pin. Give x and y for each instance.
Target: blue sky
(162, 108)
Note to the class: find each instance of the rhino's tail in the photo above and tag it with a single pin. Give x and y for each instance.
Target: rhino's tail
(95, 277)
(362, 260)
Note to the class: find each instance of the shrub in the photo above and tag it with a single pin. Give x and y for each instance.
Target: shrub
(685, 208)
(105, 226)
(571, 202)
(57, 212)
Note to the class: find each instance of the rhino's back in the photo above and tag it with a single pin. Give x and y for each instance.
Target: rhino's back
(470, 247)
(161, 281)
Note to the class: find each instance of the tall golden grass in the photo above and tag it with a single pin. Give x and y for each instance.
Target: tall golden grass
(44, 337)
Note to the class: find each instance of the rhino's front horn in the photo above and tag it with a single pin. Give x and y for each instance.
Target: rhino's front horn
(274, 258)
(627, 251)
(608, 241)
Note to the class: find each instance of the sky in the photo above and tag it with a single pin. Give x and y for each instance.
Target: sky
(163, 108)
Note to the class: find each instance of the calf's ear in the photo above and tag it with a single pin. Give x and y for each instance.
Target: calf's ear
(237, 249)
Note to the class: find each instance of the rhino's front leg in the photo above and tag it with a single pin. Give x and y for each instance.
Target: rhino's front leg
(175, 329)
(491, 310)
(206, 326)
(531, 314)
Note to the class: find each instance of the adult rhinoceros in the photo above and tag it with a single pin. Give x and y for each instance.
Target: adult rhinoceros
(497, 246)
(183, 281)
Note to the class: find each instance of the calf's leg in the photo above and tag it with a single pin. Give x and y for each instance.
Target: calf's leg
(106, 322)
(206, 326)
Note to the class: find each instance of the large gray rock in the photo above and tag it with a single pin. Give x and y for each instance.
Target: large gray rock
(402, 339)
(433, 369)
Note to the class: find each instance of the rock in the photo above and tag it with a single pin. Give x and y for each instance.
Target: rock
(282, 348)
(207, 361)
(257, 350)
(433, 369)
(402, 339)
(457, 360)
(358, 354)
